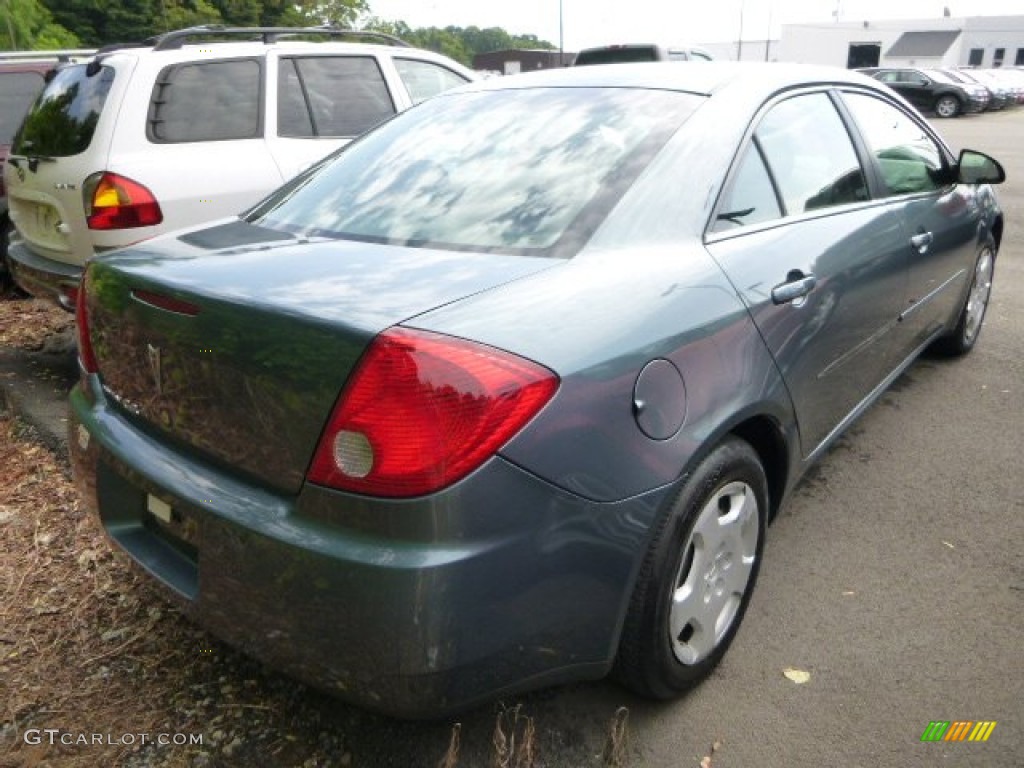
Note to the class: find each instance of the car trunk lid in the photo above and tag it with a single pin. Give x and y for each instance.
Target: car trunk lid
(240, 352)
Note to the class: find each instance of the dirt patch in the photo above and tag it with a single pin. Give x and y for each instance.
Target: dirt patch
(33, 324)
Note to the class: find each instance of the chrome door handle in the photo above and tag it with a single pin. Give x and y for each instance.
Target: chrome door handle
(922, 240)
(797, 286)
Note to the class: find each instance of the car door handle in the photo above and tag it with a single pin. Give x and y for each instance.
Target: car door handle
(797, 286)
(922, 240)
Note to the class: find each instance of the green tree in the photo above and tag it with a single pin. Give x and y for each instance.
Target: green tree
(240, 13)
(121, 21)
(461, 44)
(177, 14)
(340, 13)
(28, 25)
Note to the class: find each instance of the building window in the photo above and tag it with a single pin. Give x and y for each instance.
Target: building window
(1019, 61)
(998, 56)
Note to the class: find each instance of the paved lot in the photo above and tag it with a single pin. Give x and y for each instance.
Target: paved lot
(894, 576)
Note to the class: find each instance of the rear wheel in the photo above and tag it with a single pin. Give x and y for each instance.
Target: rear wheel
(947, 106)
(698, 576)
(6, 230)
(963, 337)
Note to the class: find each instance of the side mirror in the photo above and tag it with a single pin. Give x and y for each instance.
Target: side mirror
(978, 168)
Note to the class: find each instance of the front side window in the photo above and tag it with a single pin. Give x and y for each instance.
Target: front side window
(976, 56)
(810, 155)
(17, 92)
(486, 171)
(63, 120)
(206, 101)
(424, 79)
(909, 160)
(331, 96)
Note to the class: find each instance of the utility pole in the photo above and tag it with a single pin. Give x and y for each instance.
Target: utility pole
(739, 40)
(561, 36)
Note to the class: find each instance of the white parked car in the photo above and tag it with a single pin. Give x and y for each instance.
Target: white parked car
(191, 126)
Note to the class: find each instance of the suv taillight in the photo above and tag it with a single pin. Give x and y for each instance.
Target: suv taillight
(86, 357)
(422, 410)
(116, 202)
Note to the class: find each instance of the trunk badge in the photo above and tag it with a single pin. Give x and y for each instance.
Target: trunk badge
(156, 367)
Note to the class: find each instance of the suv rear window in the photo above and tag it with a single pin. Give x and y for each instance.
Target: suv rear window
(17, 92)
(624, 54)
(63, 120)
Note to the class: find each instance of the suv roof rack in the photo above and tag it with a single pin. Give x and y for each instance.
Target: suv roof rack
(174, 40)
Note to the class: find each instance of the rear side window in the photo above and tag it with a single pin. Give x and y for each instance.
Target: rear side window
(800, 159)
(332, 96)
(63, 120)
(17, 92)
(206, 101)
(810, 155)
(424, 79)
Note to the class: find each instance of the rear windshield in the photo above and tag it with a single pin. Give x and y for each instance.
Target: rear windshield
(623, 55)
(530, 172)
(17, 92)
(64, 119)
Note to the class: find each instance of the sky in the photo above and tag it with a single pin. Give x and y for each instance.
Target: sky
(600, 22)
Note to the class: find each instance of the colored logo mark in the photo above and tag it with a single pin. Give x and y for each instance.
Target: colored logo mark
(958, 730)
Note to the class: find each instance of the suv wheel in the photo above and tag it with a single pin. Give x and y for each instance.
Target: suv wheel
(947, 106)
(6, 230)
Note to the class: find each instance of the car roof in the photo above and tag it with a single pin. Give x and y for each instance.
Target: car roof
(699, 77)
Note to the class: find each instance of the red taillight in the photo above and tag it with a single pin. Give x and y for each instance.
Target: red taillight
(114, 202)
(86, 357)
(422, 411)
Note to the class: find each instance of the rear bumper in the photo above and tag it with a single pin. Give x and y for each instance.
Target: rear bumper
(414, 608)
(43, 277)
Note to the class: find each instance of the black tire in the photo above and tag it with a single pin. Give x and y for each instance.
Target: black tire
(6, 281)
(964, 335)
(682, 562)
(948, 106)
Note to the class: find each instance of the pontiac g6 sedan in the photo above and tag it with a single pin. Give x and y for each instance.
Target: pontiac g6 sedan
(504, 394)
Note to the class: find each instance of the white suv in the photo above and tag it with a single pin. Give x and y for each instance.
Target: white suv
(194, 125)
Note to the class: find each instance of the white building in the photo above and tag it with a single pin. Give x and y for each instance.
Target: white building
(749, 50)
(983, 41)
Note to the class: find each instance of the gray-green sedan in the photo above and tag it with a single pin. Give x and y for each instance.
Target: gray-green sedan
(504, 394)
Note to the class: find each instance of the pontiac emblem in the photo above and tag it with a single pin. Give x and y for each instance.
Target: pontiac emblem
(156, 367)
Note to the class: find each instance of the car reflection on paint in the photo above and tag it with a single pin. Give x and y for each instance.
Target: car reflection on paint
(447, 417)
